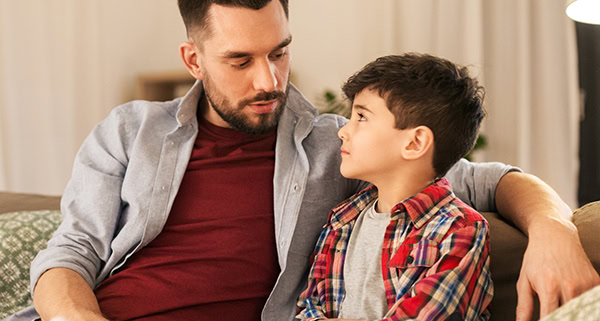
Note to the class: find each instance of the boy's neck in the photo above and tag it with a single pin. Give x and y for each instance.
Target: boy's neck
(396, 189)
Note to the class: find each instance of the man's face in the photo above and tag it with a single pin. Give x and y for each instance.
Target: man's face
(245, 65)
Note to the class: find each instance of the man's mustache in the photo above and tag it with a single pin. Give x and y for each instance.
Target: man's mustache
(264, 96)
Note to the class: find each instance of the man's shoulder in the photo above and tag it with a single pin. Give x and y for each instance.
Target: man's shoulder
(298, 103)
(144, 108)
(330, 120)
(133, 115)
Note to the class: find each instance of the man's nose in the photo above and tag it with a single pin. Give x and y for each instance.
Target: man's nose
(264, 77)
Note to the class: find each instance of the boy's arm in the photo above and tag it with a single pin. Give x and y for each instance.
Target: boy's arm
(457, 285)
(309, 303)
(310, 307)
(555, 266)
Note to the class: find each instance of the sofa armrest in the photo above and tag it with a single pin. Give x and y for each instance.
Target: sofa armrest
(508, 245)
(587, 220)
(14, 202)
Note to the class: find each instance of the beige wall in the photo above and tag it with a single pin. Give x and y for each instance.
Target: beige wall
(64, 64)
(335, 38)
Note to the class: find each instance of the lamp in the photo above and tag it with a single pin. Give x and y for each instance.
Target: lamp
(586, 11)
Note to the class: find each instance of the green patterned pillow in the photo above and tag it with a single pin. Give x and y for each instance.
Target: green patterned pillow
(22, 236)
(585, 307)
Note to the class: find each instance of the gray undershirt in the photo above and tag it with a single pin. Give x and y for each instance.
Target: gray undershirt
(363, 281)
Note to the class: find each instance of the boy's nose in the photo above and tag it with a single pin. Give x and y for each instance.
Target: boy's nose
(342, 133)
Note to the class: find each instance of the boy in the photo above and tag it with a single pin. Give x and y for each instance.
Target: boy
(406, 247)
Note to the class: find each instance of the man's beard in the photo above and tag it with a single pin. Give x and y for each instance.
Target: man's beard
(234, 116)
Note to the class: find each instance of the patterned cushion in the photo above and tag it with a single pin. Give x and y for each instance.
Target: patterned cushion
(22, 236)
(585, 307)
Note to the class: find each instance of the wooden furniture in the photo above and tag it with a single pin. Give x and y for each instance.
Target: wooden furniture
(163, 86)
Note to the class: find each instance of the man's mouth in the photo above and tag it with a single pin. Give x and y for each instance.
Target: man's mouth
(263, 107)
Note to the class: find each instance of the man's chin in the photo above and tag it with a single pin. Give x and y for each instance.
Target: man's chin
(258, 126)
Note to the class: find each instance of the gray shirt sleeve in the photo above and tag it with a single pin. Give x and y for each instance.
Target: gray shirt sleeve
(90, 205)
(475, 183)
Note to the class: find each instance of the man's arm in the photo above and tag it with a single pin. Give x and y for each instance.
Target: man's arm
(555, 266)
(62, 275)
(63, 294)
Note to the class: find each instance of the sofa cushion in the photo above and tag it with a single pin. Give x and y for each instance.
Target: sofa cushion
(507, 246)
(22, 236)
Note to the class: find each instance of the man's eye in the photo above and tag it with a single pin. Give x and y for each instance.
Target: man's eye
(279, 54)
(242, 65)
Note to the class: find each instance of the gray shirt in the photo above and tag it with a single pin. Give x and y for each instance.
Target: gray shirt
(364, 291)
(128, 170)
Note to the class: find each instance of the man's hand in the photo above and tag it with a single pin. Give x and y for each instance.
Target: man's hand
(555, 268)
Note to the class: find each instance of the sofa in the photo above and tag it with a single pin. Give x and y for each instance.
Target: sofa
(27, 221)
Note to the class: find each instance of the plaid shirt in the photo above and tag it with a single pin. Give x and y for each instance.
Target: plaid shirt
(435, 259)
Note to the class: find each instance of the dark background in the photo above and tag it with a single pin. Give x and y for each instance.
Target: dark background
(588, 43)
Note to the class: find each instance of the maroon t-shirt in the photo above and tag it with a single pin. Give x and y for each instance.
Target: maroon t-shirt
(215, 259)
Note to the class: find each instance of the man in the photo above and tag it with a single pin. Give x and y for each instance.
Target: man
(172, 206)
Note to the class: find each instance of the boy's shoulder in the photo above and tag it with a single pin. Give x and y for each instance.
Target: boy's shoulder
(433, 206)
(438, 209)
(453, 216)
(465, 213)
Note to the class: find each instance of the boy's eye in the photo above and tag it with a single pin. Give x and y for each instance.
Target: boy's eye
(361, 117)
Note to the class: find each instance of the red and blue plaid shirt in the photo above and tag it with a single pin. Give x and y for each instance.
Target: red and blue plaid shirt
(435, 259)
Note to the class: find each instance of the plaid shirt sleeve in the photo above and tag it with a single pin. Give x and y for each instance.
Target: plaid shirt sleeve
(310, 303)
(457, 286)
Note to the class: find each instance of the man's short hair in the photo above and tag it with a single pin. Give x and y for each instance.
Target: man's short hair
(195, 12)
(421, 89)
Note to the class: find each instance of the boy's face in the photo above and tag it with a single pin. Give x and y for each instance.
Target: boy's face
(370, 142)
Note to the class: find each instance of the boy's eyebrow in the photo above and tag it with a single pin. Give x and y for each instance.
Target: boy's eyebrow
(361, 107)
(242, 54)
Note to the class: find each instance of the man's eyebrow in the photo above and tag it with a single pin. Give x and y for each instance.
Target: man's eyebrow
(242, 54)
(286, 42)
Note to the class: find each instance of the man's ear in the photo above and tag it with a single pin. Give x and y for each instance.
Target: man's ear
(419, 144)
(191, 59)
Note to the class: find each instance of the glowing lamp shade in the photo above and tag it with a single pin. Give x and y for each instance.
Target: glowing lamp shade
(586, 11)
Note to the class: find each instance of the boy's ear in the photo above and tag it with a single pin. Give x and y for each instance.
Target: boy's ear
(191, 58)
(419, 143)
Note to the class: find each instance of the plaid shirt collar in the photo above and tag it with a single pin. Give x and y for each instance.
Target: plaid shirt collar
(420, 207)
